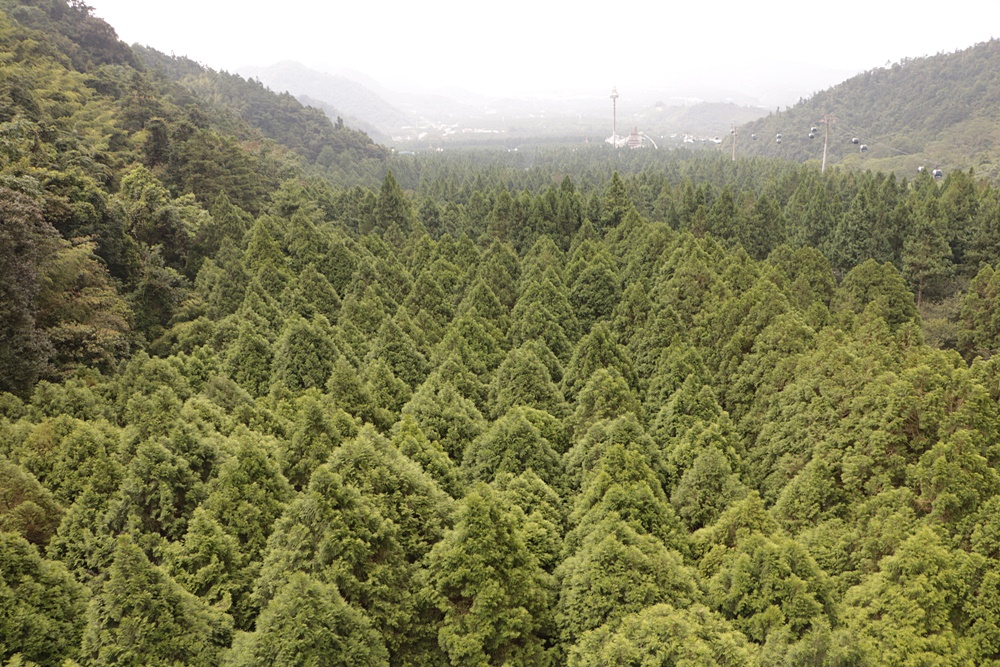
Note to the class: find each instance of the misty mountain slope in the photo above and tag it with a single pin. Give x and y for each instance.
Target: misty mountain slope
(704, 118)
(938, 111)
(307, 131)
(333, 113)
(352, 98)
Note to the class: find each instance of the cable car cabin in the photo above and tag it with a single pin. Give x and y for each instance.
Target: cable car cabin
(778, 140)
(855, 141)
(813, 130)
(754, 137)
(920, 169)
(938, 174)
(812, 135)
(864, 148)
(778, 135)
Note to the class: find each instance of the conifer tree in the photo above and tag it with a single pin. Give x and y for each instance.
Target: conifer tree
(309, 623)
(409, 439)
(141, 616)
(398, 350)
(615, 572)
(523, 379)
(606, 395)
(27, 508)
(664, 635)
(304, 353)
(513, 444)
(882, 285)
(392, 207)
(249, 492)
(616, 203)
(314, 436)
(544, 514)
(26, 241)
(598, 349)
(494, 596)
(367, 517)
(445, 416)
(926, 253)
(44, 608)
(158, 495)
(209, 563)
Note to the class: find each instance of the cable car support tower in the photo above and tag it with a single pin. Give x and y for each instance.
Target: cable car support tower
(827, 120)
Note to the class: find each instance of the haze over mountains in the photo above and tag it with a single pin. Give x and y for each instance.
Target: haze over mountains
(456, 116)
(931, 112)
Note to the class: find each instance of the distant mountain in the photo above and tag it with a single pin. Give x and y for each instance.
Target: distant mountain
(702, 119)
(334, 113)
(458, 117)
(354, 99)
(938, 111)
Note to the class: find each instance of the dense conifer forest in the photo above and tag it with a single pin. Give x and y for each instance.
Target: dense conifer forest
(271, 395)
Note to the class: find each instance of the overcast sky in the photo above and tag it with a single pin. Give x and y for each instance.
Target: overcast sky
(532, 46)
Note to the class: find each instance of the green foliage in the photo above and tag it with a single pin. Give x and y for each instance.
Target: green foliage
(158, 494)
(765, 583)
(663, 635)
(26, 240)
(618, 571)
(979, 327)
(141, 616)
(249, 492)
(309, 623)
(26, 507)
(488, 585)
(411, 441)
(882, 286)
(513, 444)
(44, 608)
(366, 519)
(304, 353)
(209, 563)
(914, 608)
(398, 350)
(523, 379)
(445, 416)
(598, 349)
(606, 395)
(314, 437)
(392, 210)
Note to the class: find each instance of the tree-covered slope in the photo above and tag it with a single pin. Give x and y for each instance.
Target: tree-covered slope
(353, 98)
(937, 111)
(305, 130)
(111, 171)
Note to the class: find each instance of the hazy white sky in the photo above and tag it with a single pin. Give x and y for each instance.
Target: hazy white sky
(518, 46)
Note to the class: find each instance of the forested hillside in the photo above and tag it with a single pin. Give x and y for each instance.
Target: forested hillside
(562, 408)
(937, 111)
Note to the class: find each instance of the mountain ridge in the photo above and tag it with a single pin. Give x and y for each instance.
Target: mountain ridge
(932, 111)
